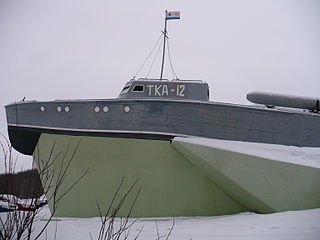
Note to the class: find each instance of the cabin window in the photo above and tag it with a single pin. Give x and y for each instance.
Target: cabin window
(138, 88)
(125, 89)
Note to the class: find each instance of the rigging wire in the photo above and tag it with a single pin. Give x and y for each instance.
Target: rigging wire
(171, 65)
(155, 57)
(148, 57)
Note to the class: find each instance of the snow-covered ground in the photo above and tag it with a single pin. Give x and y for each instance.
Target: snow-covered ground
(293, 225)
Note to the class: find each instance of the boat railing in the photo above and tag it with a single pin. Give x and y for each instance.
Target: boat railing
(188, 80)
(149, 79)
(167, 80)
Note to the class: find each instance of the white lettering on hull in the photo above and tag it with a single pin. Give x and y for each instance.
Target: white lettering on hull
(157, 89)
(163, 90)
(180, 90)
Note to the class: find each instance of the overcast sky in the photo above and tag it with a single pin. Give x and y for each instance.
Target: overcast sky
(66, 49)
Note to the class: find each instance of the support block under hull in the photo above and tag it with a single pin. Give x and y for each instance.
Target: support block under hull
(170, 184)
(187, 177)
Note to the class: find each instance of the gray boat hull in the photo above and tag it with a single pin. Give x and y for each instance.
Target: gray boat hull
(160, 120)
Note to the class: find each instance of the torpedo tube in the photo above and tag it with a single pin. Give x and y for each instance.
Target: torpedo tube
(290, 101)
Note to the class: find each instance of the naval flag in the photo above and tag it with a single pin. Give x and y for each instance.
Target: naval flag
(173, 15)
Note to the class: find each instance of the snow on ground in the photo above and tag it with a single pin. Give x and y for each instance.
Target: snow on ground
(307, 156)
(293, 225)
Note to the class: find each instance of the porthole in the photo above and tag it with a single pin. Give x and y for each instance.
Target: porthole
(127, 109)
(97, 109)
(42, 109)
(59, 109)
(105, 109)
(67, 109)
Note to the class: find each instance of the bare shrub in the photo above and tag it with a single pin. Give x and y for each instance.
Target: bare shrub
(18, 223)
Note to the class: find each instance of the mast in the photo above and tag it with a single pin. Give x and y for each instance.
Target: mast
(164, 44)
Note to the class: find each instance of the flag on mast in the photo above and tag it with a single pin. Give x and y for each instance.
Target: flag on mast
(173, 15)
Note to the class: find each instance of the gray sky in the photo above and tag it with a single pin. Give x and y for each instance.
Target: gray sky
(66, 49)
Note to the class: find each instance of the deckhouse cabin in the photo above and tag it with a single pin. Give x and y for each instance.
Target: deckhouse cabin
(165, 89)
